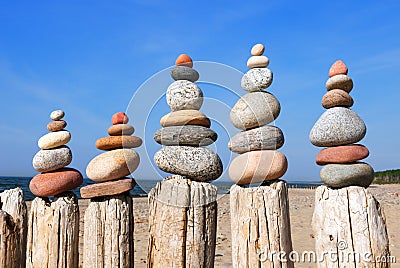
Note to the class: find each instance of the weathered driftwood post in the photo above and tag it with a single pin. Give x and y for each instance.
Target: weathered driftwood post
(183, 208)
(348, 222)
(260, 222)
(13, 227)
(108, 231)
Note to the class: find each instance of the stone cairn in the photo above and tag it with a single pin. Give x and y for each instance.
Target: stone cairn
(183, 207)
(54, 225)
(108, 233)
(253, 209)
(347, 219)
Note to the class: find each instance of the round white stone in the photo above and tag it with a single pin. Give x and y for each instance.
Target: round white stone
(57, 115)
(258, 62)
(184, 95)
(54, 139)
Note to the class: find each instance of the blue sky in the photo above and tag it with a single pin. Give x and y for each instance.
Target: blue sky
(90, 57)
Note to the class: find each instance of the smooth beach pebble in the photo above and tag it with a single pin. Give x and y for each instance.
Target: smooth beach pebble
(54, 126)
(197, 163)
(261, 138)
(184, 73)
(107, 188)
(120, 130)
(342, 154)
(185, 117)
(257, 62)
(185, 135)
(340, 81)
(57, 114)
(184, 60)
(54, 139)
(184, 95)
(118, 142)
(254, 110)
(337, 98)
(119, 118)
(337, 126)
(338, 68)
(55, 182)
(49, 160)
(257, 79)
(258, 166)
(257, 50)
(112, 165)
(343, 175)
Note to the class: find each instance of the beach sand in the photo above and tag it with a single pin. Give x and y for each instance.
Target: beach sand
(301, 210)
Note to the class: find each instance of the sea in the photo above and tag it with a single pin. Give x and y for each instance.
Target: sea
(141, 188)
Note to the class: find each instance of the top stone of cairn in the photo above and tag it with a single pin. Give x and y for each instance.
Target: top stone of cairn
(257, 50)
(184, 60)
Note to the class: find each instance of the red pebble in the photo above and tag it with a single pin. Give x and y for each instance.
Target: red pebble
(338, 68)
(119, 118)
(342, 154)
(184, 60)
(396, 195)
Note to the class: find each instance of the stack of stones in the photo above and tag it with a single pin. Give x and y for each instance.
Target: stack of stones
(110, 169)
(339, 128)
(52, 160)
(186, 129)
(257, 143)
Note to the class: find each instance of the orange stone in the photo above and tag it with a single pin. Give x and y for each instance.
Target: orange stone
(118, 142)
(342, 154)
(338, 68)
(184, 60)
(119, 118)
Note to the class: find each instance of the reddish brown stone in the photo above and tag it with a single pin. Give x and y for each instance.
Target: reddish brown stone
(55, 182)
(342, 154)
(54, 126)
(121, 130)
(107, 188)
(184, 60)
(337, 98)
(119, 118)
(338, 68)
(118, 142)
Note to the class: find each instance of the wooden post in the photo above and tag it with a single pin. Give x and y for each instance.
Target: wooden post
(350, 229)
(53, 232)
(182, 223)
(13, 227)
(108, 232)
(261, 235)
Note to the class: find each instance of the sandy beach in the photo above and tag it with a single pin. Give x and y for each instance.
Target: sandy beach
(301, 210)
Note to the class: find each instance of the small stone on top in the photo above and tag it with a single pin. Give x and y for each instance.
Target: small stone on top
(57, 115)
(119, 118)
(257, 50)
(338, 68)
(184, 60)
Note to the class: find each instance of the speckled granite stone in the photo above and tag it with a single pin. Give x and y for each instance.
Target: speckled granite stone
(257, 79)
(184, 95)
(49, 160)
(343, 175)
(185, 135)
(184, 73)
(340, 81)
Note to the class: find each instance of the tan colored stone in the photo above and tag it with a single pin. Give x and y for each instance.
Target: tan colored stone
(107, 188)
(337, 98)
(118, 142)
(185, 117)
(54, 139)
(121, 130)
(54, 126)
(258, 62)
(257, 50)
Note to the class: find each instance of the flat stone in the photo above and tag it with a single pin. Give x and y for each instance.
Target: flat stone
(55, 182)
(337, 126)
(54, 126)
(184, 60)
(118, 142)
(54, 139)
(57, 115)
(342, 154)
(184, 95)
(112, 165)
(121, 130)
(185, 135)
(338, 68)
(337, 98)
(254, 110)
(261, 138)
(184, 73)
(257, 50)
(257, 79)
(196, 163)
(340, 81)
(49, 160)
(119, 118)
(258, 62)
(185, 117)
(107, 188)
(343, 175)
(258, 166)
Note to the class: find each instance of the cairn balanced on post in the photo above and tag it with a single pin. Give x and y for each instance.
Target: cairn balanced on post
(347, 221)
(54, 225)
(108, 232)
(183, 207)
(259, 214)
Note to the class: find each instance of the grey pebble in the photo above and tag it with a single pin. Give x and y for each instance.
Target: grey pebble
(257, 79)
(191, 135)
(49, 160)
(343, 175)
(184, 73)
